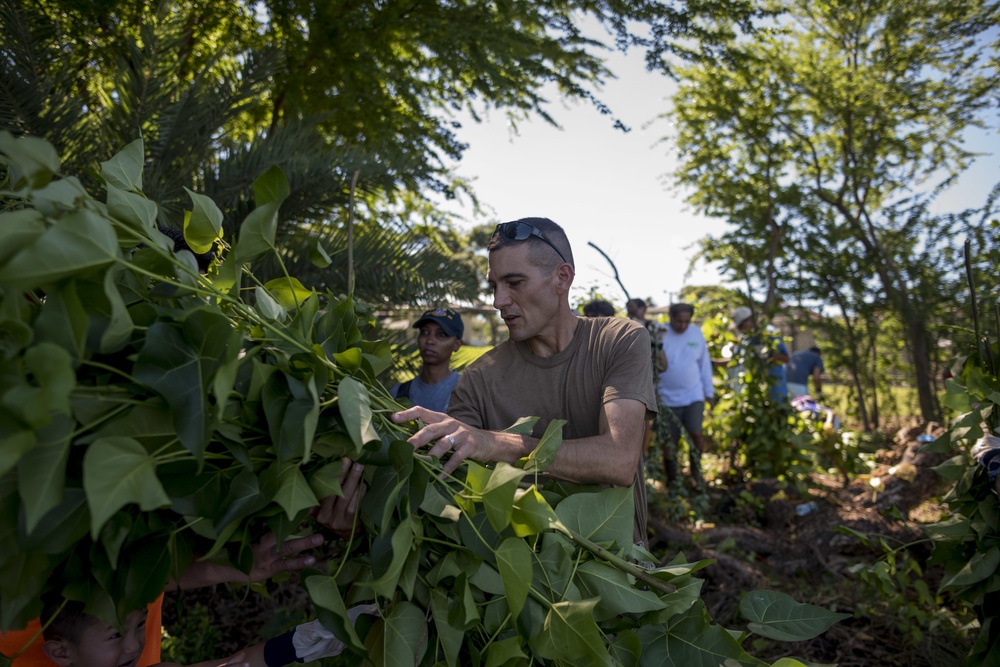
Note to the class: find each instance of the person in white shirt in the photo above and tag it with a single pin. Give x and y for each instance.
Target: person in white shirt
(684, 388)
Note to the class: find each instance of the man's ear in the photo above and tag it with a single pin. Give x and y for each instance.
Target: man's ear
(564, 277)
(458, 344)
(59, 651)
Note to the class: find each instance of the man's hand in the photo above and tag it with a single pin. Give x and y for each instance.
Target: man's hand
(268, 560)
(463, 441)
(338, 513)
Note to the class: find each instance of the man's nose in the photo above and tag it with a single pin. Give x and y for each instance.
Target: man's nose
(501, 298)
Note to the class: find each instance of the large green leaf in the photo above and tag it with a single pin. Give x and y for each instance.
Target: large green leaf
(242, 499)
(779, 616)
(289, 292)
(389, 554)
(35, 159)
(617, 594)
(14, 447)
(405, 630)
(513, 561)
(81, 242)
(500, 653)
(143, 572)
(257, 233)
(293, 494)
(268, 306)
(178, 361)
(570, 633)
(41, 472)
(60, 528)
(626, 648)
(324, 593)
(604, 517)
(545, 451)
(63, 320)
(271, 186)
(52, 369)
(692, 641)
(532, 515)
(21, 581)
(325, 481)
(18, 229)
(356, 411)
(133, 209)
(498, 495)
(449, 634)
(204, 223)
(118, 471)
(124, 170)
(979, 567)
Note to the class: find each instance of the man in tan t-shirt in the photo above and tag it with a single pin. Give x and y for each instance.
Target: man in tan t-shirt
(595, 373)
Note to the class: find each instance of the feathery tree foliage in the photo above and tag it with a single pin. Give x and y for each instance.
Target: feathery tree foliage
(823, 141)
(220, 91)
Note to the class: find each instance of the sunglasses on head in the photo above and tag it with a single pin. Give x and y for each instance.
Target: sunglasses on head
(521, 231)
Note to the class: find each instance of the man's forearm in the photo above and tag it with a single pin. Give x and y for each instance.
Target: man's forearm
(201, 574)
(596, 460)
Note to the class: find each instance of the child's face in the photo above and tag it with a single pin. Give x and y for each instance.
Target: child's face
(102, 645)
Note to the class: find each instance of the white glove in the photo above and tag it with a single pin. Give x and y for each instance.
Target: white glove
(312, 641)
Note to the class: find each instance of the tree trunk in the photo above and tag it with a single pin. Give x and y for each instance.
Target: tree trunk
(895, 289)
(852, 342)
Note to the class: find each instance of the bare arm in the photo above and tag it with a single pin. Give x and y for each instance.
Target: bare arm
(611, 457)
(268, 560)
(817, 381)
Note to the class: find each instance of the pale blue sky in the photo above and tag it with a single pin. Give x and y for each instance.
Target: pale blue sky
(611, 188)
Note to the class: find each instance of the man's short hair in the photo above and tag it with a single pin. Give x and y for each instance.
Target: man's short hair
(540, 254)
(598, 308)
(814, 348)
(64, 621)
(678, 308)
(633, 305)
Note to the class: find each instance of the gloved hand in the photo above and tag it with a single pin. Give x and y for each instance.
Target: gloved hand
(309, 641)
(312, 641)
(986, 452)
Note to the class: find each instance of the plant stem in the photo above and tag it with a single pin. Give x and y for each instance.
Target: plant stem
(636, 571)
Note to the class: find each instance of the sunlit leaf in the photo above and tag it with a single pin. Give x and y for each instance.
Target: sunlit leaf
(204, 224)
(289, 292)
(531, 514)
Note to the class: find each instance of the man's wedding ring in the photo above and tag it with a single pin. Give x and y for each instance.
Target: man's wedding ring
(450, 439)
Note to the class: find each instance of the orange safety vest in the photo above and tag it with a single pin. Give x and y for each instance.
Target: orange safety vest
(33, 656)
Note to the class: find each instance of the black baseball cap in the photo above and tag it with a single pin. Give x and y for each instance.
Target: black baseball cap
(449, 320)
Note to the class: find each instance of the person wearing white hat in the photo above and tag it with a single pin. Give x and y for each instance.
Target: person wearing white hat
(775, 350)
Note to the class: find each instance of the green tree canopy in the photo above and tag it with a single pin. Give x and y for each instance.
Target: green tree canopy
(823, 140)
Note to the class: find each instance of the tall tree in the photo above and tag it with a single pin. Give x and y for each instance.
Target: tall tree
(221, 90)
(835, 119)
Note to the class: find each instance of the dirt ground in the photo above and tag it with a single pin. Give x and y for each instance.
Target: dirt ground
(765, 544)
(757, 541)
